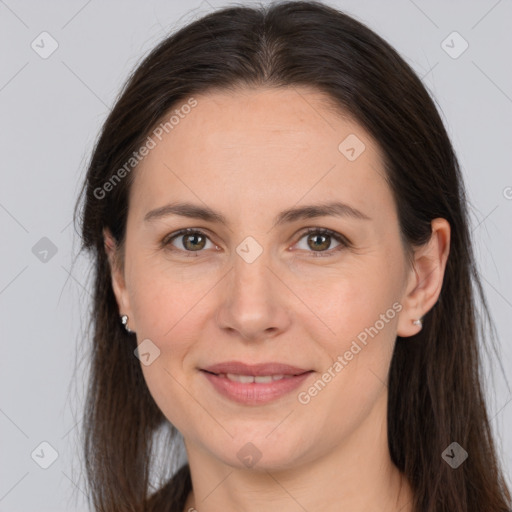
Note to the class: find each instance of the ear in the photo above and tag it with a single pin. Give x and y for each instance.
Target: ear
(425, 279)
(118, 280)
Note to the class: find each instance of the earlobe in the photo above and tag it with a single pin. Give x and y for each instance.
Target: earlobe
(425, 279)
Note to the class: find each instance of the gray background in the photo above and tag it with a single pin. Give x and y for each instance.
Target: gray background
(51, 112)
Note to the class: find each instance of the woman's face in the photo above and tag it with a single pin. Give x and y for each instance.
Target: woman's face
(259, 288)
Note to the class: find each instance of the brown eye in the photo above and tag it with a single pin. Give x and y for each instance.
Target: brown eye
(319, 241)
(188, 240)
(193, 242)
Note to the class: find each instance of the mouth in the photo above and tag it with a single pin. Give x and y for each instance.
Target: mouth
(247, 379)
(254, 384)
(255, 370)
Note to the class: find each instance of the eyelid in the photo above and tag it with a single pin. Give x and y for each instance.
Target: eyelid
(341, 239)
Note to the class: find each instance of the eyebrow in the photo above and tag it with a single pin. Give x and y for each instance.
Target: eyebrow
(336, 209)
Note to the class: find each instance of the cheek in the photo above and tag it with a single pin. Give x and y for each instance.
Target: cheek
(345, 303)
(170, 318)
(356, 318)
(163, 301)
(356, 376)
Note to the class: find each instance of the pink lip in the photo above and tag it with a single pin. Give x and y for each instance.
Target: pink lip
(255, 393)
(255, 369)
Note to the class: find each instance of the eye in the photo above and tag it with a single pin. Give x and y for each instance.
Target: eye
(320, 239)
(191, 240)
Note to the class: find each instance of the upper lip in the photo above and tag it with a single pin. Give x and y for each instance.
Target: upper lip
(238, 368)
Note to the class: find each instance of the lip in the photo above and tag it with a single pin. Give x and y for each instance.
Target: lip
(256, 370)
(255, 393)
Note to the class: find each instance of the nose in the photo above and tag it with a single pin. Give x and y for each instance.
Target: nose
(254, 301)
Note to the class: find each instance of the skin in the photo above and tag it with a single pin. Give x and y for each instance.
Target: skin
(250, 155)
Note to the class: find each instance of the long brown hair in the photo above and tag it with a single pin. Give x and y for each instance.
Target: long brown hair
(435, 385)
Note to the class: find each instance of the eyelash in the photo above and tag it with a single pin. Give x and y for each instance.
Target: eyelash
(344, 243)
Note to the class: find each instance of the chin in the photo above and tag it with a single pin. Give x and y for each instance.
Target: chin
(261, 453)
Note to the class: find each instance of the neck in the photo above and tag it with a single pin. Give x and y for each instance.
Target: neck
(358, 476)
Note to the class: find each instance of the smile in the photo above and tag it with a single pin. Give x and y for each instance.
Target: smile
(260, 379)
(254, 389)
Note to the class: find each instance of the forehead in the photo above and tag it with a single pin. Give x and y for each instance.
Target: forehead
(255, 148)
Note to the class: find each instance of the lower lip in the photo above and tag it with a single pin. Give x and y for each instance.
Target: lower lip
(254, 393)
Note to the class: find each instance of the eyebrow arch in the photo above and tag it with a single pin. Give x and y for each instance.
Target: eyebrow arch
(190, 210)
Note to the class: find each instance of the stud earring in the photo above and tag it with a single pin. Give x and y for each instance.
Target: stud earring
(418, 322)
(124, 321)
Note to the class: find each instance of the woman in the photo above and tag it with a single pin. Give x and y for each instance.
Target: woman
(283, 278)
